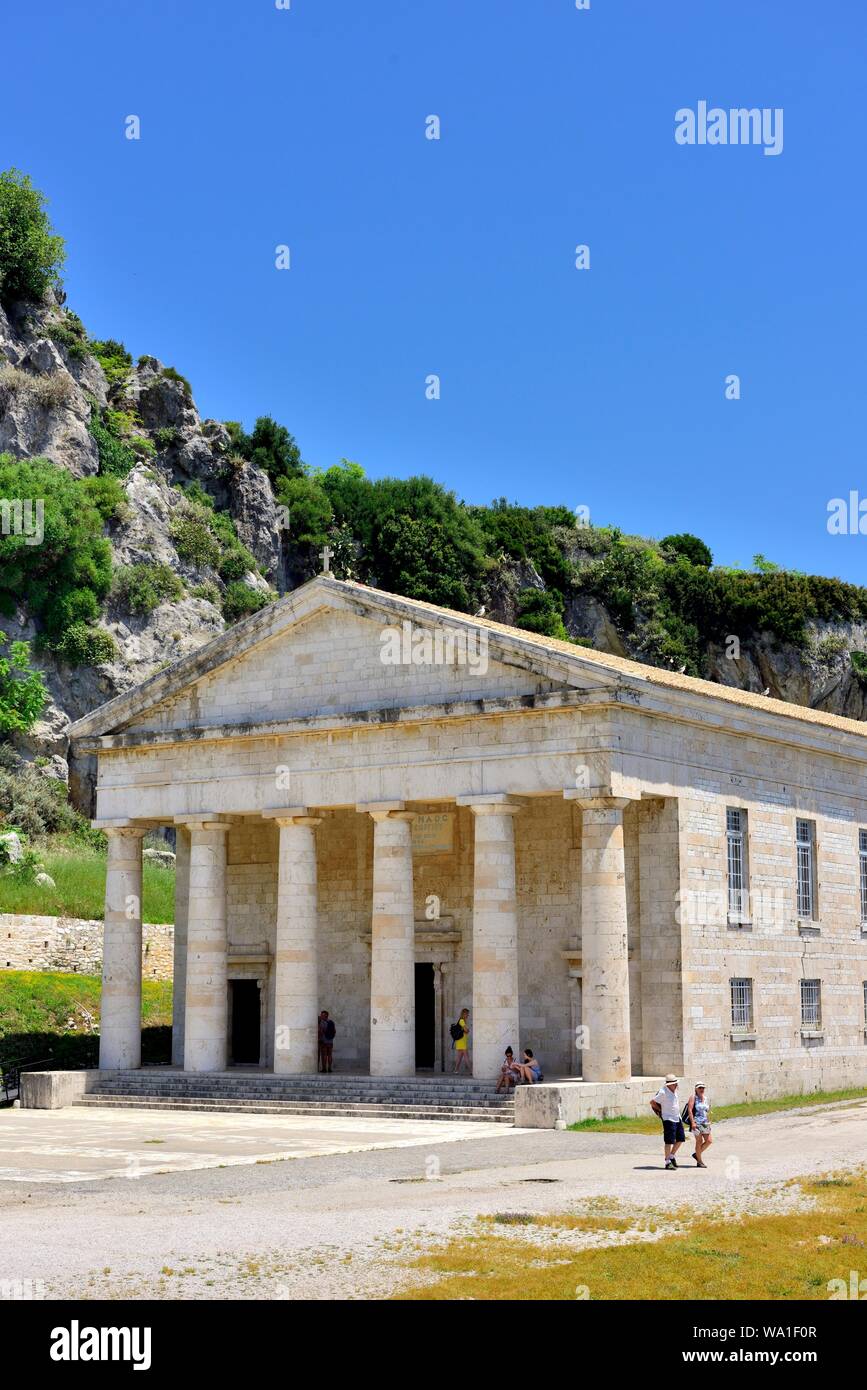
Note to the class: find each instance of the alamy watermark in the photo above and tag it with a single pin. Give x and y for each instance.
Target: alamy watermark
(23, 517)
(409, 645)
(737, 126)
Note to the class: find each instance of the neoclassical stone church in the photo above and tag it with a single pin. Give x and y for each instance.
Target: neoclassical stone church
(393, 811)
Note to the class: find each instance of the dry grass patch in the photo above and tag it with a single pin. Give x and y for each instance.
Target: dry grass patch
(792, 1254)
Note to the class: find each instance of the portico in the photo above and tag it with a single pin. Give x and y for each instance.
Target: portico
(484, 818)
(397, 935)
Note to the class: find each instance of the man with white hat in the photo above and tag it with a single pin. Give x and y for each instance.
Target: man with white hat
(666, 1104)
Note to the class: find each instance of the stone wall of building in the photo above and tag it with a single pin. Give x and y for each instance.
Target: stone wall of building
(68, 943)
(773, 949)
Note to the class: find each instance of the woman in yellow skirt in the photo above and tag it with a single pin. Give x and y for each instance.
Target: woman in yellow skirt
(462, 1044)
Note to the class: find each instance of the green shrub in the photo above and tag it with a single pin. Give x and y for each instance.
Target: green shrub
(38, 805)
(194, 492)
(689, 546)
(142, 588)
(541, 610)
(116, 456)
(65, 579)
(203, 536)
(22, 689)
(114, 359)
(207, 591)
(107, 496)
(526, 533)
(859, 664)
(82, 645)
(165, 436)
(195, 542)
(310, 513)
(69, 333)
(31, 253)
(833, 644)
(240, 600)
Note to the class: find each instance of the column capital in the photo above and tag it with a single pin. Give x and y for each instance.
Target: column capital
(385, 810)
(123, 827)
(596, 803)
(291, 815)
(205, 820)
(491, 804)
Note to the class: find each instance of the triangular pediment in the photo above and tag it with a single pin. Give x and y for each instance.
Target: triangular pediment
(333, 647)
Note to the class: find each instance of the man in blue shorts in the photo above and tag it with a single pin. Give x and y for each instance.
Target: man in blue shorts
(666, 1104)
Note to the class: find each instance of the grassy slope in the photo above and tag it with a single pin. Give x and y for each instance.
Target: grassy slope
(36, 1006)
(79, 874)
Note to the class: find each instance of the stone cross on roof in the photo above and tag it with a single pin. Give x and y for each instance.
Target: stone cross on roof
(326, 555)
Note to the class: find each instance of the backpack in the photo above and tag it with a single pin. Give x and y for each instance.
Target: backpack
(330, 1031)
(457, 1031)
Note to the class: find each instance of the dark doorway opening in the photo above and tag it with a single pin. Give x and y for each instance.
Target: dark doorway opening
(245, 1010)
(425, 1017)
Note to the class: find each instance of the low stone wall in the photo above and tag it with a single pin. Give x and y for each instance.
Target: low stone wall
(54, 1090)
(540, 1107)
(68, 943)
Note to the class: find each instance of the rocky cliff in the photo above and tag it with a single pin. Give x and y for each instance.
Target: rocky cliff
(62, 401)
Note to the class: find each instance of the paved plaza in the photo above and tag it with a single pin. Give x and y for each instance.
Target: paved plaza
(146, 1204)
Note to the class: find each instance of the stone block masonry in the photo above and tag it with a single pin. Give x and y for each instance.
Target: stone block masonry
(29, 942)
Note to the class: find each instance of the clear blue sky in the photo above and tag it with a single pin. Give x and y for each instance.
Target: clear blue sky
(604, 388)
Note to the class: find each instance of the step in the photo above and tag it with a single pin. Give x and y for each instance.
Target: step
(500, 1115)
(288, 1091)
(291, 1091)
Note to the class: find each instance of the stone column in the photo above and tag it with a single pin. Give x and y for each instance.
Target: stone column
(120, 1010)
(205, 1024)
(179, 972)
(392, 965)
(495, 1021)
(296, 986)
(604, 947)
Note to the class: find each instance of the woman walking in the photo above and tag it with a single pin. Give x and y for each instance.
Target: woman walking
(699, 1114)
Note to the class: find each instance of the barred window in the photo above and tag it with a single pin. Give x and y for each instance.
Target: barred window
(862, 865)
(736, 838)
(742, 1003)
(811, 1003)
(806, 849)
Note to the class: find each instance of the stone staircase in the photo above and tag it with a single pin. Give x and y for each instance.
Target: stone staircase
(423, 1097)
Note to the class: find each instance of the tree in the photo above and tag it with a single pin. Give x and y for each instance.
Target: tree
(309, 513)
(271, 447)
(31, 253)
(22, 689)
(689, 546)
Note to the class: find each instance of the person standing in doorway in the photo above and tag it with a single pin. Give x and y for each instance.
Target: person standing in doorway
(327, 1033)
(462, 1041)
(666, 1104)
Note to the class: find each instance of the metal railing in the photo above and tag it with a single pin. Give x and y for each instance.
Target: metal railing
(10, 1075)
